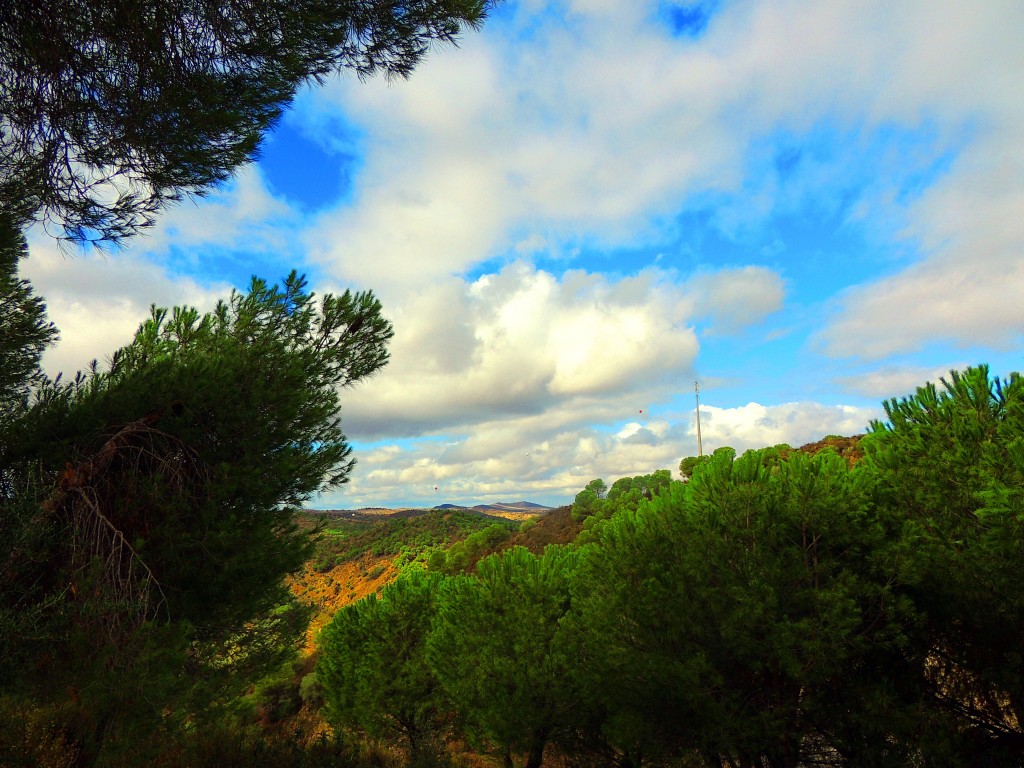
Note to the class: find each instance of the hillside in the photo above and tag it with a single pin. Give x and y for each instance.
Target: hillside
(358, 552)
(362, 550)
(847, 447)
(516, 510)
(556, 527)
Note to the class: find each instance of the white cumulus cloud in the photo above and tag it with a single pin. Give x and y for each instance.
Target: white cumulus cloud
(522, 341)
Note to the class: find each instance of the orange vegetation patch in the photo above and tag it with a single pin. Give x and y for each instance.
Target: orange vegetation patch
(847, 447)
(346, 583)
(508, 514)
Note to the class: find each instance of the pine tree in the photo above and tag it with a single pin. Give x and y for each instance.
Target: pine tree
(373, 666)
(498, 652)
(949, 461)
(110, 109)
(152, 522)
(24, 330)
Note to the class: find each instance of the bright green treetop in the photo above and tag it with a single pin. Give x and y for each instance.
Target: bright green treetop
(372, 663)
(498, 652)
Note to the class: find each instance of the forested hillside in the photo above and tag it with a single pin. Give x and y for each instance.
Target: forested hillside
(356, 556)
(779, 608)
(854, 601)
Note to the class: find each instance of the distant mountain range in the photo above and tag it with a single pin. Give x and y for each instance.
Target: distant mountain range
(516, 507)
(512, 510)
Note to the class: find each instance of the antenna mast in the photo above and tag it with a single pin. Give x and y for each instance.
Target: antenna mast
(696, 395)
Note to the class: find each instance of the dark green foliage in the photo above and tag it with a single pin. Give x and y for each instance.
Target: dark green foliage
(949, 462)
(627, 492)
(497, 650)
(224, 746)
(463, 555)
(722, 616)
(588, 501)
(204, 433)
(24, 330)
(277, 695)
(30, 739)
(600, 502)
(24, 335)
(689, 464)
(373, 665)
(151, 559)
(311, 690)
(110, 109)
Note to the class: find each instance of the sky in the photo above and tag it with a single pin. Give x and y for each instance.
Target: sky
(590, 205)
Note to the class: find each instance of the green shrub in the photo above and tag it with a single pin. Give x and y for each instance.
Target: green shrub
(311, 691)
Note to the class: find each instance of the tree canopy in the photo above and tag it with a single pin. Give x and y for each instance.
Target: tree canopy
(148, 504)
(949, 462)
(110, 109)
(497, 650)
(24, 330)
(780, 608)
(373, 664)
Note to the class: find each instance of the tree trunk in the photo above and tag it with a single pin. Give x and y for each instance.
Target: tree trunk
(631, 758)
(536, 754)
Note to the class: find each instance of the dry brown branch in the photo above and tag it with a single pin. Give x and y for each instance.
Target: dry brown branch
(127, 582)
(106, 502)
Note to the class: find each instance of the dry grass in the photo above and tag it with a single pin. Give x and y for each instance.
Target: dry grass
(346, 583)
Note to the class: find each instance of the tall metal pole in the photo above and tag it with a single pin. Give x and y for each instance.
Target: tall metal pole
(696, 395)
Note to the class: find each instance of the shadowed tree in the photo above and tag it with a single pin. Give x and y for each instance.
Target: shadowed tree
(24, 331)
(24, 335)
(153, 523)
(110, 109)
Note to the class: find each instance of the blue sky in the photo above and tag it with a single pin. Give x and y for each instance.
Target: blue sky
(809, 207)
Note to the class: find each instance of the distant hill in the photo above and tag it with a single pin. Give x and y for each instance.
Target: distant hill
(521, 507)
(847, 447)
(516, 509)
(506, 509)
(556, 526)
